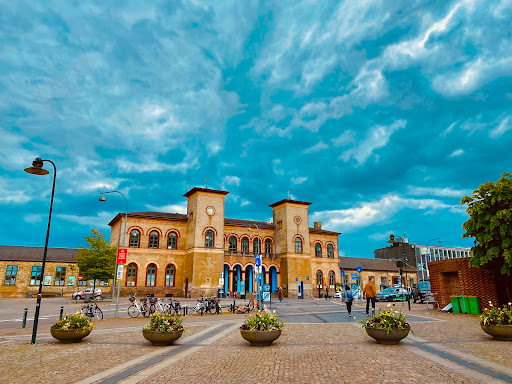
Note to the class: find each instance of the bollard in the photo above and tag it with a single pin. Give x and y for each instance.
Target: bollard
(409, 301)
(25, 318)
(61, 312)
(234, 304)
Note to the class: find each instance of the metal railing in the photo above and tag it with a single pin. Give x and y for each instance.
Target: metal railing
(250, 254)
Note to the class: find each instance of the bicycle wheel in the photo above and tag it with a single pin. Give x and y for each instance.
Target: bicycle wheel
(84, 311)
(133, 311)
(144, 310)
(177, 309)
(152, 309)
(98, 313)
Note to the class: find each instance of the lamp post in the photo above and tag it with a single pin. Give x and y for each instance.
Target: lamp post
(259, 282)
(37, 169)
(402, 260)
(102, 198)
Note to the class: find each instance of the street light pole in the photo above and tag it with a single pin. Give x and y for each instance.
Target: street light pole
(259, 283)
(37, 169)
(102, 198)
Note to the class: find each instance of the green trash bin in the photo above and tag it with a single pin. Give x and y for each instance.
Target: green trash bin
(464, 304)
(455, 304)
(474, 306)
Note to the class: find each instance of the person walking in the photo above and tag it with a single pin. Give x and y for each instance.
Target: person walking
(280, 293)
(348, 298)
(370, 293)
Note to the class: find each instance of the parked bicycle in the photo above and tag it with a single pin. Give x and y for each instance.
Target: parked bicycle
(246, 307)
(134, 310)
(92, 310)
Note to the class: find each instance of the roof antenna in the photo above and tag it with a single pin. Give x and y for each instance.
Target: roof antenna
(206, 183)
(288, 195)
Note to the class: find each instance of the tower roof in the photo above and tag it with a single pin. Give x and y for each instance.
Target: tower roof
(288, 201)
(197, 189)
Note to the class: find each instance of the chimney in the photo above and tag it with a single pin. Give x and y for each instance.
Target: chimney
(317, 224)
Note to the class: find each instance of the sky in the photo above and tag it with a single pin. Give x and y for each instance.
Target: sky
(382, 114)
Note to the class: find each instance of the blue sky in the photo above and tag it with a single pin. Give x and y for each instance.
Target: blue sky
(383, 114)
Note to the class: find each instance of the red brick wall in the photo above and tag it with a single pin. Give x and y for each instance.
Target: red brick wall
(473, 281)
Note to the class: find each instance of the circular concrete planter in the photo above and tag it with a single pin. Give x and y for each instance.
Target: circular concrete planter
(162, 338)
(499, 332)
(260, 338)
(69, 335)
(382, 336)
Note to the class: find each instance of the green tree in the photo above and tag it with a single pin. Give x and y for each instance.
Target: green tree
(490, 224)
(97, 262)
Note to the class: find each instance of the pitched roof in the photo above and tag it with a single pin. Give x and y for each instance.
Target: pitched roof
(289, 201)
(35, 254)
(152, 214)
(323, 231)
(261, 224)
(197, 189)
(371, 264)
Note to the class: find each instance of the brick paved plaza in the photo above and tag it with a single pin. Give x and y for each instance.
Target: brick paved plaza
(319, 344)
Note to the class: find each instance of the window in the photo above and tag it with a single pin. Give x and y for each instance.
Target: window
(103, 283)
(36, 276)
(345, 280)
(232, 244)
(169, 276)
(330, 251)
(256, 246)
(10, 275)
(318, 250)
(319, 279)
(134, 238)
(245, 245)
(209, 239)
(332, 279)
(151, 275)
(383, 281)
(171, 241)
(298, 245)
(268, 246)
(131, 275)
(60, 275)
(82, 283)
(153, 239)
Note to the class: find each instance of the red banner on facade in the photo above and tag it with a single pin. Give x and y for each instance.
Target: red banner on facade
(121, 255)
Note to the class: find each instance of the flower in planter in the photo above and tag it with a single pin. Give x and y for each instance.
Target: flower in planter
(164, 323)
(497, 316)
(263, 321)
(388, 319)
(74, 322)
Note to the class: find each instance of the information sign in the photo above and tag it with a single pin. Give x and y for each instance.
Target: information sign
(242, 287)
(296, 279)
(258, 260)
(354, 276)
(80, 277)
(266, 288)
(121, 255)
(120, 269)
(258, 269)
(307, 277)
(342, 272)
(359, 269)
(266, 296)
(221, 281)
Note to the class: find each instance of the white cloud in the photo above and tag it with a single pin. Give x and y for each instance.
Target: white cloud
(33, 218)
(101, 220)
(245, 203)
(504, 125)
(441, 192)
(299, 180)
(170, 208)
(368, 213)
(377, 137)
(449, 129)
(231, 180)
(315, 148)
(345, 138)
(456, 153)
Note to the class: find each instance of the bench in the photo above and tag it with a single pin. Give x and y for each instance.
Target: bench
(430, 298)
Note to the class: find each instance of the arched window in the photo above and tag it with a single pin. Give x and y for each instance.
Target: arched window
(151, 275)
(268, 246)
(319, 279)
(232, 244)
(330, 251)
(245, 245)
(209, 239)
(332, 279)
(298, 245)
(169, 275)
(318, 250)
(171, 241)
(131, 275)
(153, 239)
(134, 238)
(256, 246)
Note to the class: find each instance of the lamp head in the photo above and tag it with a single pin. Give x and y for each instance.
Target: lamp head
(37, 168)
(102, 198)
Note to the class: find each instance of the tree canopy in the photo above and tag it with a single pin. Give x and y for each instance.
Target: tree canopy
(97, 262)
(490, 223)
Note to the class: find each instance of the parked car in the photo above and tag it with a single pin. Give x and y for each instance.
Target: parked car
(420, 291)
(87, 291)
(355, 293)
(392, 294)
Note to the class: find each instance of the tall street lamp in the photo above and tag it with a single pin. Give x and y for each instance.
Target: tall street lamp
(37, 169)
(259, 282)
(102, 198)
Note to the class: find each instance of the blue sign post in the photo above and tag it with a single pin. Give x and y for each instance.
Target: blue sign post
(359, 269)
(342, 272)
